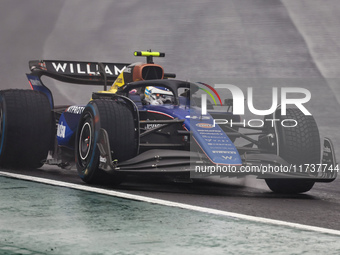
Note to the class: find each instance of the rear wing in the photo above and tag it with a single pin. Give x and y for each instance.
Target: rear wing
(77, 72)
(81, 72)
(91, 73)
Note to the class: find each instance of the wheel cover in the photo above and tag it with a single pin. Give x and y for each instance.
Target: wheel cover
(85, 141)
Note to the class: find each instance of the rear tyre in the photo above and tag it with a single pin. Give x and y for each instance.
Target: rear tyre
(25, 128)
(298, 145)
(117, 119)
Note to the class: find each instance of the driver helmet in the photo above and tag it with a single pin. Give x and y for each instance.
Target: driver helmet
(158, 95)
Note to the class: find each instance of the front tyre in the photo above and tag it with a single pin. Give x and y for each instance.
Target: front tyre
(117, 119)
(298, 145)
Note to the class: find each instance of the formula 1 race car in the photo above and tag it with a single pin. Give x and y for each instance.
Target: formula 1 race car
(147, 122)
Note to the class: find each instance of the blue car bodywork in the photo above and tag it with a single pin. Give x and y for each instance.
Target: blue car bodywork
(187, 134)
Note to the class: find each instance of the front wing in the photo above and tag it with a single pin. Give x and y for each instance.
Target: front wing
(198, 165)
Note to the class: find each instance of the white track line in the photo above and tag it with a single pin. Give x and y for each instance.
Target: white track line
(172, 204)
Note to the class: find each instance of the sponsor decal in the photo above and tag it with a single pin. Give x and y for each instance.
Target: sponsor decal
(102, 159)
(197, 117)
(204, 125)
(75, 109)
(42, 65)
(127, 70)
(61, 130)
(151, 126)
(225, 152)
(35, 82)
(119, 80)
(85, 68)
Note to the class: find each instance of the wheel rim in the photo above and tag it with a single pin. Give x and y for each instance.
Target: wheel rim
(85, 141)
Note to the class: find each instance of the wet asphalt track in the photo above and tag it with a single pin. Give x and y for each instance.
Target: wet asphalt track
(69, 221)
(241, 42)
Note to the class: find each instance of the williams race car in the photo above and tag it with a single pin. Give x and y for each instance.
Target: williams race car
(148, 122)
